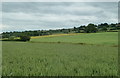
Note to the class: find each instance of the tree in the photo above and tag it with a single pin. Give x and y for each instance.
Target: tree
(25, 38)
(104, 29)
(11, 38)
(75, 28)
(91, 28)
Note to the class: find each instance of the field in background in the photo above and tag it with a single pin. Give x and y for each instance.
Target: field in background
(53, 56)
(106, 38)
(54, 35)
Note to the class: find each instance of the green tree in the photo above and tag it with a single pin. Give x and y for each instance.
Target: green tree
(25, 38)
(91, 28)
(11, 38)
(104, 29)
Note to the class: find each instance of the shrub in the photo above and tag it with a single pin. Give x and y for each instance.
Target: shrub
(24, 38)
(59, 42)
(11, 38)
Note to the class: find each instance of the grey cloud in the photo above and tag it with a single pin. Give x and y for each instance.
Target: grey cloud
(47, 15)
(57, 7)
(31, 6)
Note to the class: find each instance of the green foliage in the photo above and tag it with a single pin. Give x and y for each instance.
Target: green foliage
(104, 29)
(11, 38)
(24, 38)
(5, 35)
(90, 28)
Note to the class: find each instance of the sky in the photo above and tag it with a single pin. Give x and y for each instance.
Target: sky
(21, 16)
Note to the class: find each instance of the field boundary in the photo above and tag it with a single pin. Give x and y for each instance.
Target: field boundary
(73, 43)
(54, 35)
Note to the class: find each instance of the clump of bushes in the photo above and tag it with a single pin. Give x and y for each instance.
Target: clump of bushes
(25, 38)
(11, 38)
(59, 42)
(22, 38)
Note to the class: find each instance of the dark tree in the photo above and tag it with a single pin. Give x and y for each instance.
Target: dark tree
(25, 38)
(91, 28)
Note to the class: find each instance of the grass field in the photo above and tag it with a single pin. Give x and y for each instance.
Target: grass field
(54, 35)
(106, 38)
(62, 59)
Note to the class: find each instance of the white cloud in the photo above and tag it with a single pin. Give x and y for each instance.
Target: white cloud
(3, 26)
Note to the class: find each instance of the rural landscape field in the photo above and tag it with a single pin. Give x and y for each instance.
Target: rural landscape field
(56, 39)
(63, 56)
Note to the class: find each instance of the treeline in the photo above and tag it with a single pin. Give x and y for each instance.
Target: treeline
(90, 28)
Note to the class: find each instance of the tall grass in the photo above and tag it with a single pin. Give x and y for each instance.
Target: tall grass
(53, 59)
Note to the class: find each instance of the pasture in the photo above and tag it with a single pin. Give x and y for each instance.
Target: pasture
(103, 38)
(62, 56)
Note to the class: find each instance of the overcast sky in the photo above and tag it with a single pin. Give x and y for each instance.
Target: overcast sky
(20, 16)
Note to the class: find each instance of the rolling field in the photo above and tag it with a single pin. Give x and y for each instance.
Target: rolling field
(62, 59)
(106, 38)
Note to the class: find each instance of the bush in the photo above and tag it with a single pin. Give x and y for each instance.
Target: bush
(11, 38)
(24, 38)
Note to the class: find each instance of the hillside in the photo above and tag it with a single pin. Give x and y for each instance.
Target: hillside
(104, 38)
